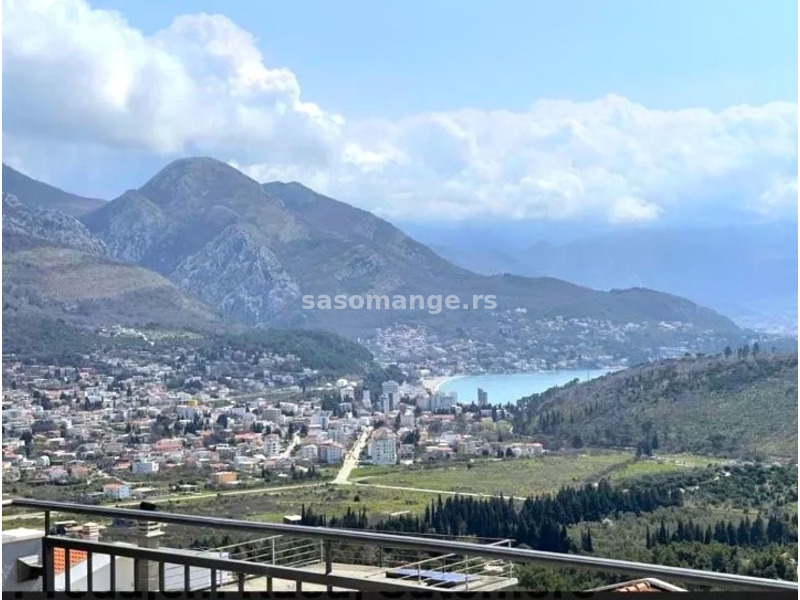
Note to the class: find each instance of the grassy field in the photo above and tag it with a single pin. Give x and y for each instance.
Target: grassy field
(517, 477)
(663, 464)
(328, 499)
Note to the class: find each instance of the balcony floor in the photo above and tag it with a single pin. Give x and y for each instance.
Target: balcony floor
(484, 583)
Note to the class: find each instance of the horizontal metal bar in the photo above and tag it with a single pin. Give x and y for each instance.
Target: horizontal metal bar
(362, 537)
(219, 564)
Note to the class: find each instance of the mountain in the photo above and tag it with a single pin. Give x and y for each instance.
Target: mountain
(252, 251)
(53, 267)
(748, 272)
(668, 407)
(40, 195)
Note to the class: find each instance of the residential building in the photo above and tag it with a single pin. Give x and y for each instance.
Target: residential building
(308, 452)
(223, 478)
(272, 445)
(144, 467)
(330, 453)
(383, 448)
(116, 491)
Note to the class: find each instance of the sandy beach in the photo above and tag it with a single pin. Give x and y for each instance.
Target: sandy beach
(432, 384)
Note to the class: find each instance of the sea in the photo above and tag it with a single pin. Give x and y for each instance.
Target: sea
(503, 388)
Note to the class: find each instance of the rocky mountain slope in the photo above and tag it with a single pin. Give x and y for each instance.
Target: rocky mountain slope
(251, 251)
(54, 267)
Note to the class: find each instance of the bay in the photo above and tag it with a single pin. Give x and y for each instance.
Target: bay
(503, 388)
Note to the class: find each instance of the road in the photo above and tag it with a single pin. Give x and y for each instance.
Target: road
(295, 442)
(427, 491)
(351, 459)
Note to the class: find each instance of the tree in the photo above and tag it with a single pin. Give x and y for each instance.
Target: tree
(728, 352)
(756, 349)
(577, 441)
(586, 541)
(222, 421)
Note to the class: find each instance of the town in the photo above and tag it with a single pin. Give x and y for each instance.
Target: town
(149, 423)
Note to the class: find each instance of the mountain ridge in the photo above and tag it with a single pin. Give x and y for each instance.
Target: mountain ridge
(250, 251)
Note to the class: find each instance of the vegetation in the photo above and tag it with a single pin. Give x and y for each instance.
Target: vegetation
(661, 519)
(46, 339)
(751, 399)
(512, 477)
(318, 350)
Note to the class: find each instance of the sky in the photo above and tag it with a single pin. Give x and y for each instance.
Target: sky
(620, 111)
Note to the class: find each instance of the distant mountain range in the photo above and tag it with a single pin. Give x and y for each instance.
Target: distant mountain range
(748, 272)
(202, 243)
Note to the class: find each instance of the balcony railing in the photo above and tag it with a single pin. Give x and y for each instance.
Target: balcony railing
(342, 559)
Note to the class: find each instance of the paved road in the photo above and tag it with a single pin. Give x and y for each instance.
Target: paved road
(295, 442)
(351, 459)
(427, 491)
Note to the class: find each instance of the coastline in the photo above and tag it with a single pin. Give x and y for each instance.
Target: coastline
(432, 385)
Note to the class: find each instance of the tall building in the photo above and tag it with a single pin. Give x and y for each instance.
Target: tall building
(272, 445)
(392, 390)
(483, 397)
(444, 401)
(330, 453)
(383, 448)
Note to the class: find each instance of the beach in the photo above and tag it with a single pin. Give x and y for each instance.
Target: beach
(432, 384)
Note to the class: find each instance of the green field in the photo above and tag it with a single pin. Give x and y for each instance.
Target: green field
(510, 477)
(663, 464)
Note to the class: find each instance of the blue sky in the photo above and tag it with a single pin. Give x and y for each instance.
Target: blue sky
(613, 111)
(397, 57)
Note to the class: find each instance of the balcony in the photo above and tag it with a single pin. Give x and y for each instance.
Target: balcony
(285, 557)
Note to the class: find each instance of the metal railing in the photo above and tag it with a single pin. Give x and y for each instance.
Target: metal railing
(324, 538)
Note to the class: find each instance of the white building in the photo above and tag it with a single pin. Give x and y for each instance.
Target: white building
(392, 390)
(330, 453)
(144, 467)
(272, 445)
(407, 419)
(383, 448)
(443, 401)
(273, 415)
(188, 412)
(308, 452)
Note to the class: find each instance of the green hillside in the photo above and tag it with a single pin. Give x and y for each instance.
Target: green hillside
(721, 406)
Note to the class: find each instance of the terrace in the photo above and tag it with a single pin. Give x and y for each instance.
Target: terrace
(286, 557)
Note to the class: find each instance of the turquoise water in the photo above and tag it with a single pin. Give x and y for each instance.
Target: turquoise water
(512, 387)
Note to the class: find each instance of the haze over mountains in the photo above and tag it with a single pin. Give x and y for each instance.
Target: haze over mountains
(746, 271)
(202, 239)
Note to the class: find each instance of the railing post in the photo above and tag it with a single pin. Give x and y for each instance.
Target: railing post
(48, 567)
(272, 559)
(326, 550)
(162, 580)
(89, 572)
(137, 570)
(67, 570)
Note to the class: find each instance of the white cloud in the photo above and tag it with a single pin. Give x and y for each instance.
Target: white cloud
(85, 78)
